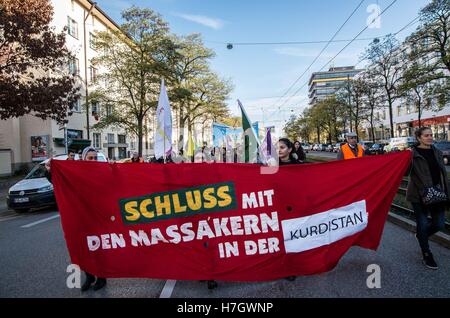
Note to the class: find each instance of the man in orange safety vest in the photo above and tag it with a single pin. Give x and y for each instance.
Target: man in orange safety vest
(351, 149)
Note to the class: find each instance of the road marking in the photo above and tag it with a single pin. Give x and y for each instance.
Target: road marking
(12, 217)
(40, 221)
(168, 289)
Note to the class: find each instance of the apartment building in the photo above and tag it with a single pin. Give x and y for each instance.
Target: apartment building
(28, 139)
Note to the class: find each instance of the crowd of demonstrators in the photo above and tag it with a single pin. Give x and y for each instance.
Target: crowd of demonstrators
(427, 175)
(427, 171)
(136, 159)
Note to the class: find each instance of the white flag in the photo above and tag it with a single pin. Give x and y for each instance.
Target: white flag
(163, 136)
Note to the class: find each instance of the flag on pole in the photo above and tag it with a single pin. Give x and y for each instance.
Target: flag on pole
(267, 150)
(190, 146)
(251, 141)
(163, 136)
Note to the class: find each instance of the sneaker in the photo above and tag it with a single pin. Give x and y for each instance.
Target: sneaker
(100, 283)
(429, 261)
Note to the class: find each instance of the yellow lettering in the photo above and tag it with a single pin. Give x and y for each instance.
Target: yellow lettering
(226, 198)
(176, 204)
(210, 200)
(130, 207)
(194, 205)
(164, 205)
(143, 207)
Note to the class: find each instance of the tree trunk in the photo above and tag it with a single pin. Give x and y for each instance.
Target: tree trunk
(391, 113)
(140, 134)
(181, 131)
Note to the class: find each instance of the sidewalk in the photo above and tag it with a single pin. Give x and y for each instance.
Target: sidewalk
(7, 182)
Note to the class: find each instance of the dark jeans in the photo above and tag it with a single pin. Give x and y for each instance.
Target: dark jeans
(426, 227)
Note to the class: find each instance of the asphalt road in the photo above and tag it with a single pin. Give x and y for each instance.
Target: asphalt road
(34, 259)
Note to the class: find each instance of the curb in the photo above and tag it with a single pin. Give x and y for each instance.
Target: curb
(440, 238)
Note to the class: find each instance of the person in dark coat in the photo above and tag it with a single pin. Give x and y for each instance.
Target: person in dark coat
(90, 154)
(427, 170)
(298, 152)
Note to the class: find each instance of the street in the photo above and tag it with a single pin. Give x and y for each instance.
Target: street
(34, 258)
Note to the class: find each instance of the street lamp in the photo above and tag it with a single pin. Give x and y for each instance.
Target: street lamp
(85, 68)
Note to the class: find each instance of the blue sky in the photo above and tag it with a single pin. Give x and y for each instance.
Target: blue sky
(261, 74)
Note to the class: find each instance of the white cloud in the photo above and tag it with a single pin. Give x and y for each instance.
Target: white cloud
(209, 22)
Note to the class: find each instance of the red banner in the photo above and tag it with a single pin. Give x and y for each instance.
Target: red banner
(222, 221)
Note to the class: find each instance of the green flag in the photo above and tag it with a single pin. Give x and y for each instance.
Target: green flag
(251, 142)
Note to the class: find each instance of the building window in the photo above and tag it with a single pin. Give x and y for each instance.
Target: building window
(97, 140)
(408, 109)
(72, 27)
(74, 66)
(110, 138)
(72, 3)
(384, 114)
(109, 110)
(76, 106)
(95, 108)
(132, 144)
(92, 39)
(74, 134)
(121, 139)
(399, 110)
(93, 74)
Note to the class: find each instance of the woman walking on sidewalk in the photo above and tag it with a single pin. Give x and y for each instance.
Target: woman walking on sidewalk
(428, 182)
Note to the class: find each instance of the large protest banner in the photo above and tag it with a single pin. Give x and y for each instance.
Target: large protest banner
(222, 221)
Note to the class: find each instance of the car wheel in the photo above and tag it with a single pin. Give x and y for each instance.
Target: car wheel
(22, 210)
(445, 161)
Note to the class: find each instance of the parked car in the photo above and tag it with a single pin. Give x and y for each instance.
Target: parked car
(329, 148)
(35, 191)
(444, 146)
(400, 143)
(366, 144)
(376, 149)
(337, 147)
(306, 147)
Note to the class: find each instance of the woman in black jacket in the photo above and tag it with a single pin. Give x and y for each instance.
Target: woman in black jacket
(427, 170)
(299, 152)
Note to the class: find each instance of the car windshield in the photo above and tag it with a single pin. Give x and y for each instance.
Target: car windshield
(38, 171)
